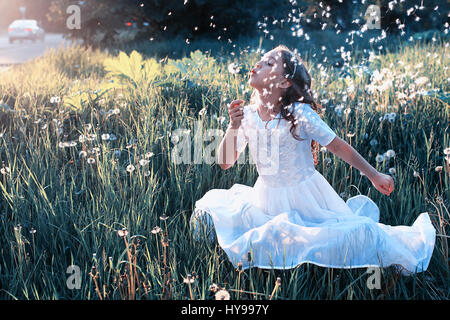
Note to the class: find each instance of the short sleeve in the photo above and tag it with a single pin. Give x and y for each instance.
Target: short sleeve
(313, 126)
(242, 138)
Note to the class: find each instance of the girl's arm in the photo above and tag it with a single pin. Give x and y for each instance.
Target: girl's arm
(227, 149)
(382, 182)
(228, 154)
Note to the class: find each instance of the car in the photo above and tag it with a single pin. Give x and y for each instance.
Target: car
(25, 29)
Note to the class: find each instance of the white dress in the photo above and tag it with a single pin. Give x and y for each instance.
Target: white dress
(292, 215)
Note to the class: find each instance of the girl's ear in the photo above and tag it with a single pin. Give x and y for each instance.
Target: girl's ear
(284, 83)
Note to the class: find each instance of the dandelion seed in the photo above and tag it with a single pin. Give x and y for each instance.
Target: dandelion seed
(379, 158)
(148, 155)
(234, 68)
(4, 170)
(143, 162)
(392, 170)
(164, 217)
(32, 231)
(214, 287)
(55, 99)
(351, 135)
(105, 136)
(156, 230)
(188, 279)
(122, 233)
(222, 295)
(130, 168)
(82, 154)
(390, 153)
(415, 174)
(202, 112)
(95, 150)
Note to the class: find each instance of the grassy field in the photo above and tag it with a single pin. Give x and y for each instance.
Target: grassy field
(88, 175)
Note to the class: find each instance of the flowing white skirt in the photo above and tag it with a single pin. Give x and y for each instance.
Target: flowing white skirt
(283, 227)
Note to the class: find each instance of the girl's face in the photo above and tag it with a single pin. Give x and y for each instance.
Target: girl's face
(268, 72)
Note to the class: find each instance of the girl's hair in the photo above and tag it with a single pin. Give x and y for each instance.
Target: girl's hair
(297, 74)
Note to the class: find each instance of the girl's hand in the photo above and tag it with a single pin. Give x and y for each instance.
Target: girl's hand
(236, 113)
(383, 183)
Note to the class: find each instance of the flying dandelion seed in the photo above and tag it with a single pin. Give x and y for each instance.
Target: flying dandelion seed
(234, 68)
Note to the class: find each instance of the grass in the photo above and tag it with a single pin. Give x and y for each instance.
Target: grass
(97, 209)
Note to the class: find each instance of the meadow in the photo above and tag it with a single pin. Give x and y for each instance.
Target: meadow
(88, 177)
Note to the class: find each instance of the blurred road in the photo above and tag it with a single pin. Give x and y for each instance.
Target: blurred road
(18, 52)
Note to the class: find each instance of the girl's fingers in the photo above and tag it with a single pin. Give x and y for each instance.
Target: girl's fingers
(234, 103)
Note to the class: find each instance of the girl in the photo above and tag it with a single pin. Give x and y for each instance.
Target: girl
(292, 215)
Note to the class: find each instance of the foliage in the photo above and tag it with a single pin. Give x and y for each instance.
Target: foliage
(86, 184)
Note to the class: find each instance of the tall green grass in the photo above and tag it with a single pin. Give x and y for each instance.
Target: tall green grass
(57, 209)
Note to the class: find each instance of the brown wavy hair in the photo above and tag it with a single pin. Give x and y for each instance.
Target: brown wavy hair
(299, 91)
